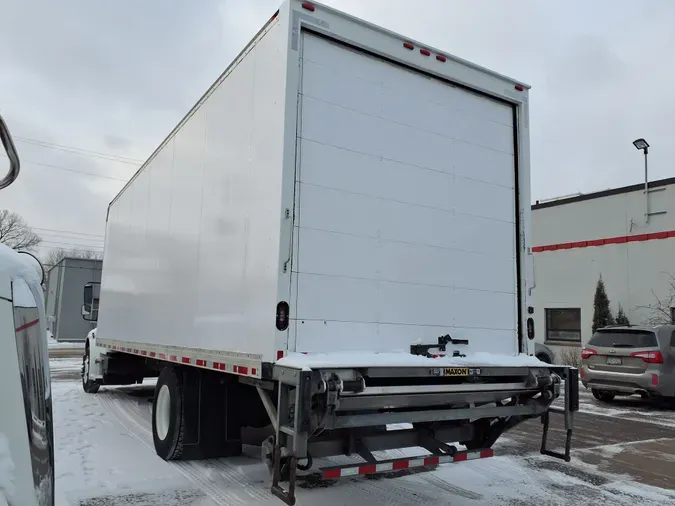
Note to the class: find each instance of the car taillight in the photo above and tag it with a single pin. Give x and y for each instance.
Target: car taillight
(587, 352)
(651, 357)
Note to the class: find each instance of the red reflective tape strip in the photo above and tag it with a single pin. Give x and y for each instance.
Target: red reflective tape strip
(143, 352)
(460, 457)
(254, 371)
(114, 347)
(368, 469)
(431, 461)
(162, 356)
(235, 368)
(400, 464)
(27, 325)
(487, 453)
(173, 358)
(185, 360)
(201, 363)
(153, 354)
(129, 350)
(280, 354)
(243, 370)
(608, 240)
(136, 352)
(223, 367)
(331, 474)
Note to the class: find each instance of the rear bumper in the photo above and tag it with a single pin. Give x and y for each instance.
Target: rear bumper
(649, 381)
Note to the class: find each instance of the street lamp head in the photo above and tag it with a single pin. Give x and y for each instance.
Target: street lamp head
(641, 144)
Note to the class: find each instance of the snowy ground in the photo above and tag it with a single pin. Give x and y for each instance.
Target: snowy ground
(105, 457)
(53, 344)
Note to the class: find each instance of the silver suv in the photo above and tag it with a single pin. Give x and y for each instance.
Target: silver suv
(626, 360)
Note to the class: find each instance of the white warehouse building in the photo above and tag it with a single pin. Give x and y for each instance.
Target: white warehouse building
(579, 238)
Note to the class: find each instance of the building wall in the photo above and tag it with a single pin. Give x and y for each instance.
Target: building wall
(577, 242)
(64, 301)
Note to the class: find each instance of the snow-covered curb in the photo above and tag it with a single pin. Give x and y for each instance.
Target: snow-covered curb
(53, 344)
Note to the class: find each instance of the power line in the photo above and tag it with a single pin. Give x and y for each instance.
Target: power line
(46, 230)
(71, 170)
(80, 151)
(60, 244)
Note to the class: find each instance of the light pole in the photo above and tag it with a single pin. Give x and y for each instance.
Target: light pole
(644, 146)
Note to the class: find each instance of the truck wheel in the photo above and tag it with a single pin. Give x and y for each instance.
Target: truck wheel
(88, 385)
(167, 415)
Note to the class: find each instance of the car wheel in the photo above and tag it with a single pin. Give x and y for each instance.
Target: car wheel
(544, 358)
(603, 396)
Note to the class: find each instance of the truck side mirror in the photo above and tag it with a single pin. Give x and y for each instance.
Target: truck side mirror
(90, 306)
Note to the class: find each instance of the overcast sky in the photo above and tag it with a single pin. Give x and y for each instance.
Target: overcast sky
(115, 78)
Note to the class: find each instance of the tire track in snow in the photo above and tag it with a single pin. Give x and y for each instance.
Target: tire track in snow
(143, 420)
(434, 480)
(226, 488)
(137, 412)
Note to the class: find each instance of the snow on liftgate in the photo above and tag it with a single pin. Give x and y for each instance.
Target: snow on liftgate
(375, 192)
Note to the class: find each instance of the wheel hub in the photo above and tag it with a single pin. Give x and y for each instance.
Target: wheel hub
(163, 412)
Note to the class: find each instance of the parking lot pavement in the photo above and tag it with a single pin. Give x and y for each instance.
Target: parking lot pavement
(628, 437)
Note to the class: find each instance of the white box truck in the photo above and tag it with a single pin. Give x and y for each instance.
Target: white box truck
(334, 239)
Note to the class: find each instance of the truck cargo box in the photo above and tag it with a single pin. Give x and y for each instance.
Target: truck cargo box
(340, 188)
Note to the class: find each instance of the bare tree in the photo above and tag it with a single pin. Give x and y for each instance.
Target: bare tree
(56, 255)
(660, 311)
(15, 232)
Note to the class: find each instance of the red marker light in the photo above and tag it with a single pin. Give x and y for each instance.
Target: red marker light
(408, 45)
(519, 87)
(440, 57)
(308, 6)
(425, 52)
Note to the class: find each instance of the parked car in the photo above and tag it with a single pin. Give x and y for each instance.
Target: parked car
(544, 353)
(627, 360)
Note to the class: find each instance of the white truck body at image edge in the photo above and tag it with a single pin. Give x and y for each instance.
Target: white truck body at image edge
(347, 206)
(384, 205)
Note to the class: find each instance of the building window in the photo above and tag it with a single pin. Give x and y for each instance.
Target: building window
(563, 324)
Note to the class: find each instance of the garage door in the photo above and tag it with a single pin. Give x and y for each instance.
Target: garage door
(405, 205)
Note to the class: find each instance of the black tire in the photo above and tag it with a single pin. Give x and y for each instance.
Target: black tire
(170, 382)
(88, 385)
(603, 396)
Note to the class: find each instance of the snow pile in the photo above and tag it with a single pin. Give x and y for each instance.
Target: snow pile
(6, 471)
(375, 359)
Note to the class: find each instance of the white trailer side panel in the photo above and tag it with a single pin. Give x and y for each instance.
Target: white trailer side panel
(192, 243)
(406, 209)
